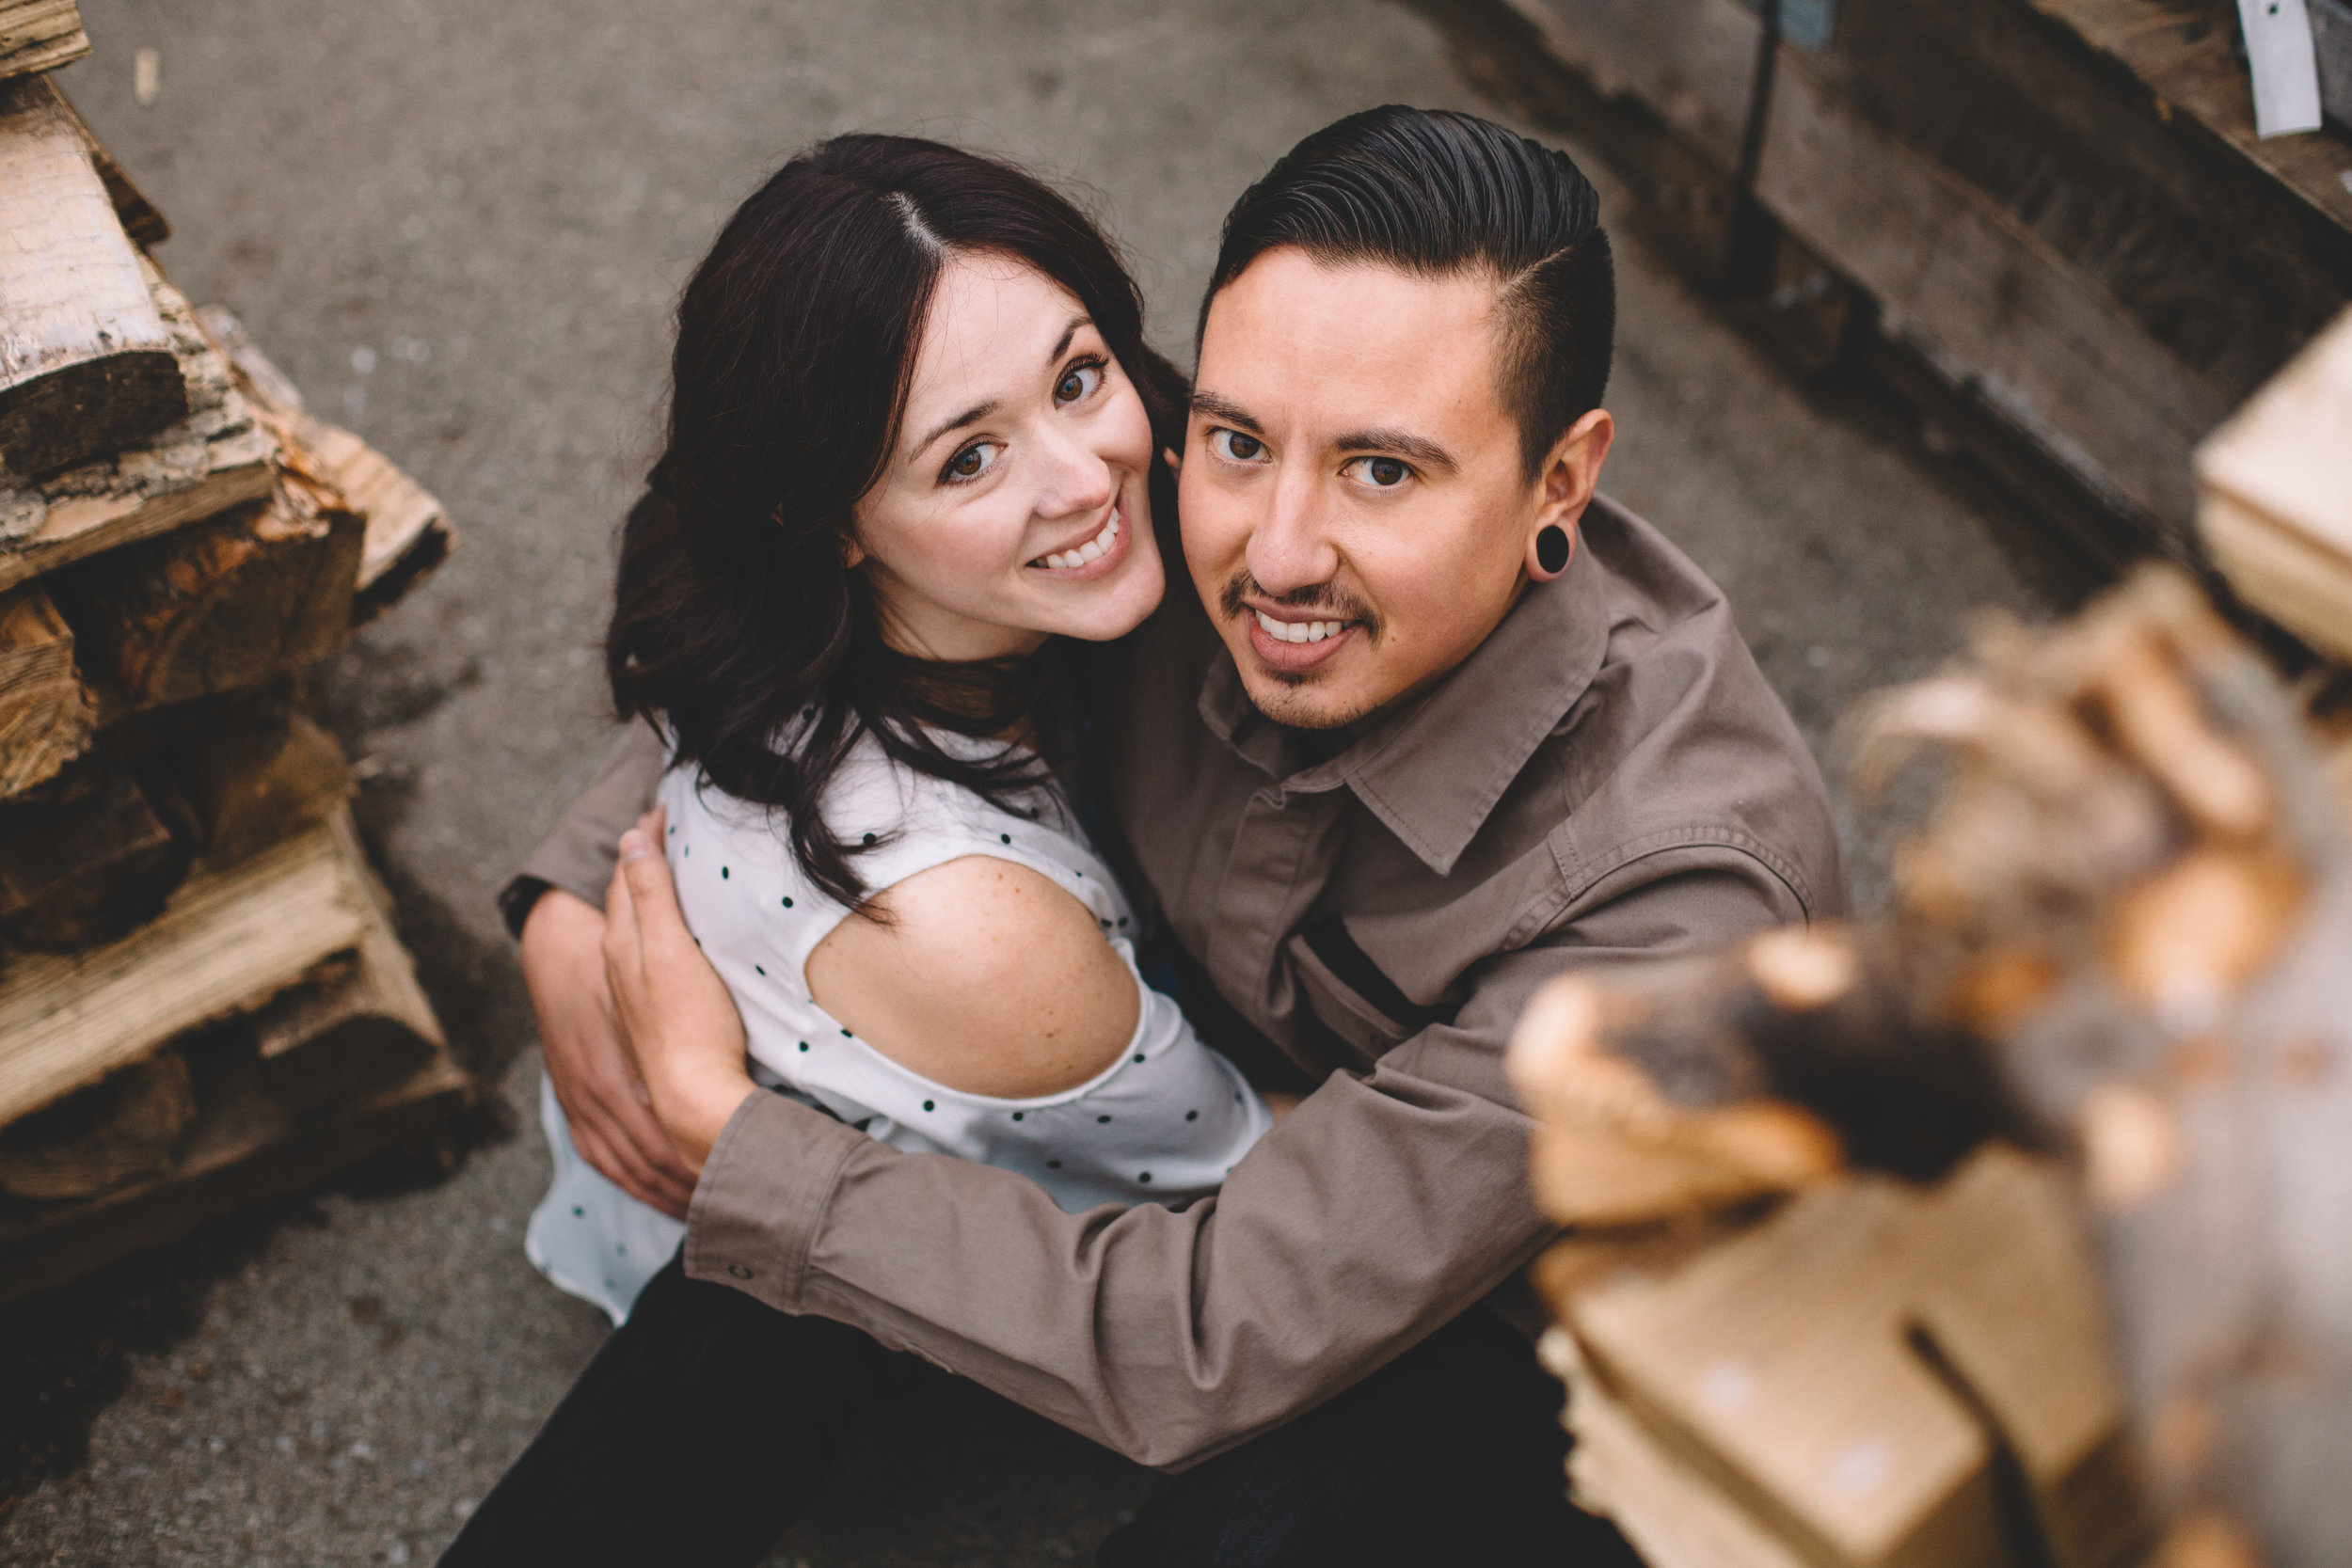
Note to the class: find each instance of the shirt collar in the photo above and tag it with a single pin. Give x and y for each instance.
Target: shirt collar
(1434, 771)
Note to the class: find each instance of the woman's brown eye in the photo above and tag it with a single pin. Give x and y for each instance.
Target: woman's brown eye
(970, 461)
(1077, 382)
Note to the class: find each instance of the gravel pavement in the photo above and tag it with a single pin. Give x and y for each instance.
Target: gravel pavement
(460, 227)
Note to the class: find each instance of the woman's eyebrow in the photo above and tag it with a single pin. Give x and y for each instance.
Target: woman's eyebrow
(1062, 343)
(970, 416)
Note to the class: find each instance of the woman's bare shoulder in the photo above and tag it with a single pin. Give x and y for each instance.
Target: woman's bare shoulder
(985, 977)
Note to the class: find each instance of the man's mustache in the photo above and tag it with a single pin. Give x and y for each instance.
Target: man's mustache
(1324, 600)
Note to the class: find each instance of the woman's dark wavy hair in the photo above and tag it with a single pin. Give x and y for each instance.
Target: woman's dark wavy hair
(735, 620)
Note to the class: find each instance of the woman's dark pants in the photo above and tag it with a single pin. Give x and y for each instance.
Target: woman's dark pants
(706, 1423)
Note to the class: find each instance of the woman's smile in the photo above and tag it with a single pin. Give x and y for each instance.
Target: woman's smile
(1095, 556)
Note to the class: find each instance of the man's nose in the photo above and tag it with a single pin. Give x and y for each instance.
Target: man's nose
(1291, 547)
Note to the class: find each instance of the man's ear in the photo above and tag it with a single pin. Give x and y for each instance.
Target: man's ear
(1570, 478)
(1174, 459)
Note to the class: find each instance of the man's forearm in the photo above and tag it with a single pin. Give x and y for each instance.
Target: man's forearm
(576, 855)
(1377, 1210)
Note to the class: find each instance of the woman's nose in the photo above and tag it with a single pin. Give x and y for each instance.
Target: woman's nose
(1078, 479)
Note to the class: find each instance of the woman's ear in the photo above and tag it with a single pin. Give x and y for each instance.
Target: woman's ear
(852, 554)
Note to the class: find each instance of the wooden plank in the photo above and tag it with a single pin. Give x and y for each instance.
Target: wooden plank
(216, 459)
(45, 714)
(225, 604)
(2196, 82)
(1968, 286)
(39, 35)
(228, 942)
(244, 1149)
(408, 535)
(2277, 507)
(85, 360)
(86, 869)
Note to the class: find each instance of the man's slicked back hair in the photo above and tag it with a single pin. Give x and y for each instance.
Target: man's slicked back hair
(1437, 193)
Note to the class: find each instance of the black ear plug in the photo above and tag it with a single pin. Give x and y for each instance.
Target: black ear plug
(1552, 547)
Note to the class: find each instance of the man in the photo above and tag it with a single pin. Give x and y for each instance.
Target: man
(1451, 722)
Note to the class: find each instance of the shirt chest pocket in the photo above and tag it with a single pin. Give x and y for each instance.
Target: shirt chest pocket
(1351, 997)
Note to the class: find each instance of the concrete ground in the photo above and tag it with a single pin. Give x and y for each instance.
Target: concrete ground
(460, 227)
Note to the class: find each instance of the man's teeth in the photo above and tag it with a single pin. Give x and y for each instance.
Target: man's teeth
(1094, 550)
(1298, 631)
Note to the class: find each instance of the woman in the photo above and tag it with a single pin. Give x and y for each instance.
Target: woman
(909, 480)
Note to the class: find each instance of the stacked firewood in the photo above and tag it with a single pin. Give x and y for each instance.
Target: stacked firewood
(202, 997)
(2011, 1228)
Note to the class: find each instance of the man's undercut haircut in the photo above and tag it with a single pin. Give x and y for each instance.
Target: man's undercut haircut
(1437, 194)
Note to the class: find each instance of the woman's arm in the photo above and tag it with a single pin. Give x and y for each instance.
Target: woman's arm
(982, 976)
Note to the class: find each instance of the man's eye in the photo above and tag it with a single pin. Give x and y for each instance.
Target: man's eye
(1076, 382)
(1382, 473)
(1234, 447)
(973, 461)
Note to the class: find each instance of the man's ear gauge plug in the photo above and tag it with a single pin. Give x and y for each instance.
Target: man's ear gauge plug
(1553, 549)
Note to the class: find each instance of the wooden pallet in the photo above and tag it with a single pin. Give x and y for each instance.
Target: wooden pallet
(2016, 215)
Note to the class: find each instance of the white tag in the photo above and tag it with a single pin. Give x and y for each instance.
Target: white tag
(2285, 67)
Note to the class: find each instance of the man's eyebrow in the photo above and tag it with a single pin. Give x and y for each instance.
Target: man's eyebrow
(1404, 443)
(1211, 406)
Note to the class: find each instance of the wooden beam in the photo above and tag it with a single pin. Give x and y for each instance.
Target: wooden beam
(45, 714)
(216, 458)
(85, 361)
(39, 35)
(226, 943)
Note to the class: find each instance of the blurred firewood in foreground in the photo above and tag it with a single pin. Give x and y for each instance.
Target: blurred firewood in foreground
(2124, 941)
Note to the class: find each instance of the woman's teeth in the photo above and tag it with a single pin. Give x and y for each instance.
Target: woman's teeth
(1092, 550)
(1298, 631)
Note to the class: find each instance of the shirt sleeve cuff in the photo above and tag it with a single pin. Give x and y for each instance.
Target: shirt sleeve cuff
(763, 1196)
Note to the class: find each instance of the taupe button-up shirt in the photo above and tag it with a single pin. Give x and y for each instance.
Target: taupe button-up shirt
(1607, 775)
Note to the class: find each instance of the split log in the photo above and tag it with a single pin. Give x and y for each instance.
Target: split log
(86, 869)
(222, 606)
(45, 715)
(85, 361)
(352, 1028)
(244, 1149)
(226, 943)
(141, 218)
(39, 35)
(127, 1125)
(2134, 903)
(409, 532)
(253, 779)
(214, 459)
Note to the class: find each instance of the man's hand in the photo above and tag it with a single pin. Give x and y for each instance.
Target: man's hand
(588, 1063)
(681, 1021)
